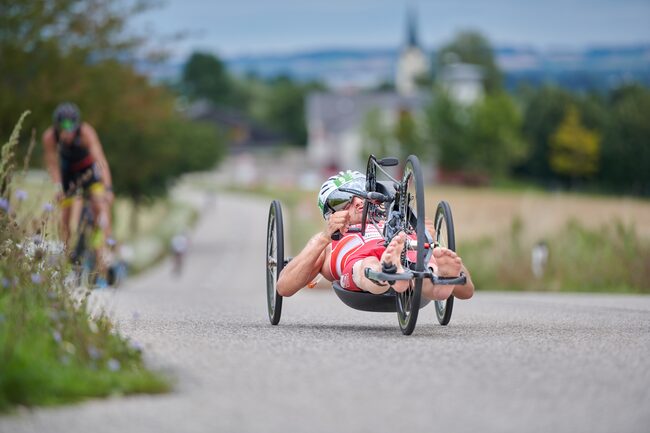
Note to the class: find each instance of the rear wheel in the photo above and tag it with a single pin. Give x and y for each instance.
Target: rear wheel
(411, 206)
(274, 261)
(445, 237)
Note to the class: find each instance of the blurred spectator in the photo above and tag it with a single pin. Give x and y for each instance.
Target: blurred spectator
(539, 259)
(179, 246)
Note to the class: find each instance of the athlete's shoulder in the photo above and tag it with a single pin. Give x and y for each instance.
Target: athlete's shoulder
(48, 134)
(86, 128)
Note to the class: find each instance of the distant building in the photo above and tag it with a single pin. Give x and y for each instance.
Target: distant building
(463, 81)
(413, 63)
(335, 119)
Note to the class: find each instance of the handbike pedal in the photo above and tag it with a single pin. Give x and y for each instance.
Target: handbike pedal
(389, 268)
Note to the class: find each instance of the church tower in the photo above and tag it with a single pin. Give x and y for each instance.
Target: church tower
(412, 63)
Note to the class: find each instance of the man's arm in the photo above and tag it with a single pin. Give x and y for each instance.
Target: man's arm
(51, 158)
(303, 268)
(89, 136)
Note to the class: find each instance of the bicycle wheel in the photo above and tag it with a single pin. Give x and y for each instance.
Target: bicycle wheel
(445, 237)
(412, 210)
(274, 261)
(371, 186)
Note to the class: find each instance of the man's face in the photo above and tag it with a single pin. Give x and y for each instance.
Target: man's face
(67, 128)
(355, 210)
(66, 136)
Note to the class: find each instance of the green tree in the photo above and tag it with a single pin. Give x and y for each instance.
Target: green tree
(47, 47)
(472, 47)
(626, 142)
(448, 127)
(410, 139)
(377, 138)
(574, 149)
(544, 110)
(79, 50)
(205, 76)
(483, 138)
(495, 134)
(279, 103)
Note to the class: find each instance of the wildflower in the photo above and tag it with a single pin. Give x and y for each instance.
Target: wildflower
(113, 364)
(57, 336)
(65, 359)
(5, 282)
(4, 204)
(36, 278)
(93, 352)
(135, 345)
(47, 207)
(21, 195)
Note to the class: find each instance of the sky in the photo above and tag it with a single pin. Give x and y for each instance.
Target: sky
(242, 27)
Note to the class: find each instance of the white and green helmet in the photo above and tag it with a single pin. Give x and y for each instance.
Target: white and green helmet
(331, 199)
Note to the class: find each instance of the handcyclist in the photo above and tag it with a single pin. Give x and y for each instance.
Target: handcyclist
(76, 163)
(345, 259)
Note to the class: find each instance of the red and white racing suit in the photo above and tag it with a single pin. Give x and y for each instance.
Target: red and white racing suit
(352, 248)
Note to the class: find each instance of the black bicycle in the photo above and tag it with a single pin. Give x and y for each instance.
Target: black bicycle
(392, 206)
(90, 239)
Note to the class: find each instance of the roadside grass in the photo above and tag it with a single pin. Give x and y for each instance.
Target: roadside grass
(611, 258)
(595, 244)
(51, 350)
(157, 221)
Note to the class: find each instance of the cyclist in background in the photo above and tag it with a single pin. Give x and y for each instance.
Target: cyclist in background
(76, 163)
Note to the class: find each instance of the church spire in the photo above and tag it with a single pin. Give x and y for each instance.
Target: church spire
(411, 28)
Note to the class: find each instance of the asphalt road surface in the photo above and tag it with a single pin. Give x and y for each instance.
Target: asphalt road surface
(506, 363)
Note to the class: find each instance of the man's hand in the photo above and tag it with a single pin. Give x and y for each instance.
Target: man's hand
(59, 195)
(109, 197)
(337, 221)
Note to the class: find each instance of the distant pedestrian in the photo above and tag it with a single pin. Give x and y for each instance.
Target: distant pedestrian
(539, 259)
(179, 246)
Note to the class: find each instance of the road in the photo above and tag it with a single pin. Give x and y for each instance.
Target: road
(507, 362)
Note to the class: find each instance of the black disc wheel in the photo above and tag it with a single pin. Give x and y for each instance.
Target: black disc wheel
(274, 261)
(444, 224)
(412, 210)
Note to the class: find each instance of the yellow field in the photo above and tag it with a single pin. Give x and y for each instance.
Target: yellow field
(480, 212)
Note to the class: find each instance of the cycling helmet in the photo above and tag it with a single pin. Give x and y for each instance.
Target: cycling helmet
(331, 199)
(66, 116)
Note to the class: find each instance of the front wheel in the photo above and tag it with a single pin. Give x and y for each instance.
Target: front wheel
(274, 261)
(411, 207)
(445, 237)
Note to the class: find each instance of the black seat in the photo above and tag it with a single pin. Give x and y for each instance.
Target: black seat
(364, 301)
